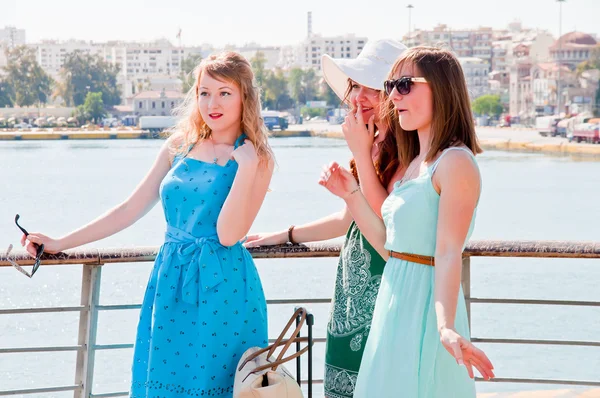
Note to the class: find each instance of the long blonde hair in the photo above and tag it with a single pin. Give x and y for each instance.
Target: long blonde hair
(231, 67)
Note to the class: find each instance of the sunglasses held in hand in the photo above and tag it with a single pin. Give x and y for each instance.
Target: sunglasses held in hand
(38, 254)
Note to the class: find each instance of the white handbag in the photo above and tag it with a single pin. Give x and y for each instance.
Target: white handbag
(258, 375)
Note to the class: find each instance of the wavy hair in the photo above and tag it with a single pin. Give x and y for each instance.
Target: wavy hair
(231, 67)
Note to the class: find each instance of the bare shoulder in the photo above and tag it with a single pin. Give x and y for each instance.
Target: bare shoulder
(175, 141)
(173, 145)
(458, 159)
(266, 167)
(457, 167)
(270, 164)
(266, 161)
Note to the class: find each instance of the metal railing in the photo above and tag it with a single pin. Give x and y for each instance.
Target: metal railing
(89, 308)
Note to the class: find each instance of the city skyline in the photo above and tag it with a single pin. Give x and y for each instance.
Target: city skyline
(150, 20)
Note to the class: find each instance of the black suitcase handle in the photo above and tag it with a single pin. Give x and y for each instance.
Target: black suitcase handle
(310, 321)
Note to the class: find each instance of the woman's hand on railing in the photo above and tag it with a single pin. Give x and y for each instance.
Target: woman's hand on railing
(466, 353)
(266, 239)
(30, 241)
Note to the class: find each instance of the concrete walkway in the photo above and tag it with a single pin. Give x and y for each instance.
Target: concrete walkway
(593, 393)
(508, 139)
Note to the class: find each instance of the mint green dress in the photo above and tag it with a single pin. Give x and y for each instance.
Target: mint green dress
(403, 356)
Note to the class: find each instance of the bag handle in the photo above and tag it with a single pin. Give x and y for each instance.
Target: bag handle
(274, 365)
(302, 312)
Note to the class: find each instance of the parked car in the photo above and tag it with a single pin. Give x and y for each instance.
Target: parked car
(273, 120)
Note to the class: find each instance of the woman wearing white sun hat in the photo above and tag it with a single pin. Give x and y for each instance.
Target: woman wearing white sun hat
(358, 83)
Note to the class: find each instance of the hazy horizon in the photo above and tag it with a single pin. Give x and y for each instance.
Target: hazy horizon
(243, 22)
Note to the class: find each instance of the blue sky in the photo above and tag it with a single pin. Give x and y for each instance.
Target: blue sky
(271, 22)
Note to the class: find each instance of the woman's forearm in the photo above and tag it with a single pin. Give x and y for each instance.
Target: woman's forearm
(235, 217)
(371, 226)
(115, 220)
(448, 269)
(329, 227)
(370, 184)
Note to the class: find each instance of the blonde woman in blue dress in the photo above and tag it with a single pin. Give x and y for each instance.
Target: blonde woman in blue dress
(419, 344)
(204, 303)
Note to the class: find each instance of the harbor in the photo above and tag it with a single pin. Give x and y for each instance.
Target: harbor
(491, 138)
(549, 202)
(164, 299)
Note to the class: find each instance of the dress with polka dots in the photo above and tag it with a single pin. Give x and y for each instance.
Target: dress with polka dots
(204, 304)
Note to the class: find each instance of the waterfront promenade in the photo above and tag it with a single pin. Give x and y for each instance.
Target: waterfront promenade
(507, 139)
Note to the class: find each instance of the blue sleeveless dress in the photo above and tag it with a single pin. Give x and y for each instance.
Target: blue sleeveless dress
(204, 304)
(403, 356)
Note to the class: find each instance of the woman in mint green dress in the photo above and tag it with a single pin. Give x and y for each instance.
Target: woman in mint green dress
(418, 346)
(358, 83)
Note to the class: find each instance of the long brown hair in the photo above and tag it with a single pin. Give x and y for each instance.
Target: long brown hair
(452, 121)
(387, 161)
(231, 67)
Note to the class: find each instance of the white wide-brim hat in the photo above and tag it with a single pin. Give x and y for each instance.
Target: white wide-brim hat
(370, 68)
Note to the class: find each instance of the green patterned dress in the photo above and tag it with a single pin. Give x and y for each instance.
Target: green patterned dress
(356, 285)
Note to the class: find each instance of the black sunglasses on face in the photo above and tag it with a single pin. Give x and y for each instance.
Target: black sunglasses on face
(38, 254)
(402, 85)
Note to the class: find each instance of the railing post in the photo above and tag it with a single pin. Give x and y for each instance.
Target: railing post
(466, 285)
(88, 327)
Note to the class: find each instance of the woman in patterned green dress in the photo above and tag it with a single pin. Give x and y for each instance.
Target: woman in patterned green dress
(358, 82)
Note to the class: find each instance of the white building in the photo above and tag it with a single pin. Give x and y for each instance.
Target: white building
(493, 46)
(514, 51)
(476, 72)
(521, 96)
(144, 59)
(51, 54)
(544, 77)
(539, 46)
(272, 55)
(12, 36)
(573, 48)
(533, 44)
(464, 42)
(288, 56)
(309, 52)
(500, 55)
(143, 66)
(131, 87)
(156, 103)
(581, 99)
